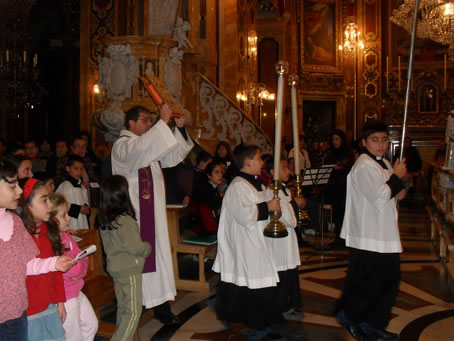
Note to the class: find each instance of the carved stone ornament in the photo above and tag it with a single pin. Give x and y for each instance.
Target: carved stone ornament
(226, 122)
(179, 33)
(118, 72)
(110, 121)
(172, 73)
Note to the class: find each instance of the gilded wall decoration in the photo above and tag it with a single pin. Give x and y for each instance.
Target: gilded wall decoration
(101, 26)
(370, 73)
(370, 63)
(317, 81)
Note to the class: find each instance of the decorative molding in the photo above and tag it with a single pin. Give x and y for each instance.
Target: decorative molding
(325, 82)
(118, 72)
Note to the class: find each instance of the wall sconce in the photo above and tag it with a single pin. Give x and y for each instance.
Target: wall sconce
(96, 89)
(99, 92)
(252, 44)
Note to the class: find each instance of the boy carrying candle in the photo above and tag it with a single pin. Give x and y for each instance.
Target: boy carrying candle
(247, 292)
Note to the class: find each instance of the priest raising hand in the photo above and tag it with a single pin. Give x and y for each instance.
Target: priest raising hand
(165, 113)
(138, 155)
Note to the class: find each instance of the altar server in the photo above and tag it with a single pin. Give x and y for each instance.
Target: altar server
(370, 230)
(285, 250)
(247, 292)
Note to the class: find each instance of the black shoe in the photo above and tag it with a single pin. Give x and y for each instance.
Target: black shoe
(356, 333)
(273, 337)
(379, 334)
(353, 328)
(171, 320)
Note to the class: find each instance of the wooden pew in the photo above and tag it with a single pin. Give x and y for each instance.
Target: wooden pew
(174, 213)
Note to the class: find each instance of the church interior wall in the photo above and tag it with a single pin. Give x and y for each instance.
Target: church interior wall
(220, 51)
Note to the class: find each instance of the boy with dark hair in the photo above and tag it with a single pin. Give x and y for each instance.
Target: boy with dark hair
(75, 194)
(32, 152)
(206, 201)
(371, 232)
(202, 160)
(247, 292)
(61, 150)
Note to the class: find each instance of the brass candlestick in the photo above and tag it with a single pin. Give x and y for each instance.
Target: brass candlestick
(275, 228)
(303, 216)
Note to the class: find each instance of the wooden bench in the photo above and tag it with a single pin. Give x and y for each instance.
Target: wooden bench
(174, 213)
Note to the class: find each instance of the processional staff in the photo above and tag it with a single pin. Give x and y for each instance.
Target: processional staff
(409, 73)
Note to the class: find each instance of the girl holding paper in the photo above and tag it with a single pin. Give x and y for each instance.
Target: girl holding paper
(81, 322)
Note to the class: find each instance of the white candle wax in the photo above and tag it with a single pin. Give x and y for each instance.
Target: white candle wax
(296, 142)
(278, 130)
(25, 56)
(7, 56)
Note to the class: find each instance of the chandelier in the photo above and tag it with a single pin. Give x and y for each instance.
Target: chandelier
(20, 91)
(435, 20)
(352, 38)
(256, 94)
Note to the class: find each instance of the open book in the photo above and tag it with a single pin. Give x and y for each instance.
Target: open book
(210, 240)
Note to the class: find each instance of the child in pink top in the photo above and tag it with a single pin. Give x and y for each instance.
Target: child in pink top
(81, 322)
(17, 254)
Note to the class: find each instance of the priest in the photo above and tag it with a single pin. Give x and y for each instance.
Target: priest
(138, 154)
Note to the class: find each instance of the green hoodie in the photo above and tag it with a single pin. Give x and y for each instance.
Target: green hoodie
(125, 250)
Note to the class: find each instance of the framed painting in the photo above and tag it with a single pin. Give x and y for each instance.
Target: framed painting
(320, 35)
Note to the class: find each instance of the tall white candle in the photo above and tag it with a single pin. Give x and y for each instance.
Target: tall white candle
(25, 56)
(445, 73)
(293, 82)
(398, 71)
(281, 70)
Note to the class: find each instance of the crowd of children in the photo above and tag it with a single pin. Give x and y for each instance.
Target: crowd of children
(259, 275)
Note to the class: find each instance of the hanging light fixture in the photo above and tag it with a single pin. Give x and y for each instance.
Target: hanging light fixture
(18, 64)
(351, 38)
(435, 20)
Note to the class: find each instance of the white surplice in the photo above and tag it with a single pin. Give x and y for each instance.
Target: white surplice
(285, 250)
(370, 221)
(78, 196)
(243, 257)
(130, 153)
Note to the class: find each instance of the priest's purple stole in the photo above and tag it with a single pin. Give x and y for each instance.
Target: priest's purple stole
(147, 219)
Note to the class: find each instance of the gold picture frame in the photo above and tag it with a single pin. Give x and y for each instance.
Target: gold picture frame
(321, 30)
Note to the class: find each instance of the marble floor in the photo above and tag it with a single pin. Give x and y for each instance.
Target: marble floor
(424, 309)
